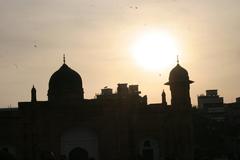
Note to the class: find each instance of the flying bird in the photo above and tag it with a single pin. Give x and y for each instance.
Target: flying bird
(15, 65)
(134, 7)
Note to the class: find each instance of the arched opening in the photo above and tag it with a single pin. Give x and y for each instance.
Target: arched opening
(78, 154)
(79, 141)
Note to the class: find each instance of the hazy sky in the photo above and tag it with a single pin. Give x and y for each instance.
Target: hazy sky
(96, 36)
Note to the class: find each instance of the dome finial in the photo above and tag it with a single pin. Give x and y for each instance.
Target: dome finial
(64, 59)
(177, 59)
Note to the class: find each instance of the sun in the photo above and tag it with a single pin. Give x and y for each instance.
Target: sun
(155, 50)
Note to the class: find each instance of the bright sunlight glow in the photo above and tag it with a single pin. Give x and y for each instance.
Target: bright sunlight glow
(155, 50)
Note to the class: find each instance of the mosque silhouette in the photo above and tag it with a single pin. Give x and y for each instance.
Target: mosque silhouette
(112, 126)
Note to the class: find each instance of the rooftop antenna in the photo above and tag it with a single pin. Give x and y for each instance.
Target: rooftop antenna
(64, 59)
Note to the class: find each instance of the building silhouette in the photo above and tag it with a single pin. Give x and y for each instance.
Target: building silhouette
(212, 105)
(112, 126)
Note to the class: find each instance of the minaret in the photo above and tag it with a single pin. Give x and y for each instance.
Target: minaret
(164, 101)
(33, 94)
(180, 121)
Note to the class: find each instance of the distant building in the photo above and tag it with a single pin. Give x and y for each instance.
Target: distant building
(212, 105)
(217, 127)
(233, 127)
(233, 111)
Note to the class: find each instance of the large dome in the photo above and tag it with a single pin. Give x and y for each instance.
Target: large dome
(65, 84)
(178, 75)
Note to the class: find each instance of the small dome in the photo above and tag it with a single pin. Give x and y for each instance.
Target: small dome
(178, 75)
(65, 84)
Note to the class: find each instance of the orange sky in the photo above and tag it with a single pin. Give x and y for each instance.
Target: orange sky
(96, 37)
